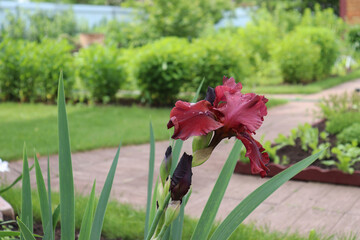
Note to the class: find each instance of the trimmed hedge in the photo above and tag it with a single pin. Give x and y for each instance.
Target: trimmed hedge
(306, 54)
(163, 67)
(29, 71)
(101, 71)
(217, 57)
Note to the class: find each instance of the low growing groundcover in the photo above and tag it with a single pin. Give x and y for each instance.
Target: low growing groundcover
(91, 127)
(125, 222)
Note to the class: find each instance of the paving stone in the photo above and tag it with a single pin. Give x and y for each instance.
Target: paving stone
(6, 210)
(321, 220)
(348, 224)
(339, 199)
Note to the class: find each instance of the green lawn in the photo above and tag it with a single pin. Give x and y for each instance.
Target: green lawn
(305, 89)
(124, 221)
(90, 127)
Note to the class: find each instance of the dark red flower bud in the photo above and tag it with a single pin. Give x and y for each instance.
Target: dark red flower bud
(166, 165)
(181, 179)
(210, 95)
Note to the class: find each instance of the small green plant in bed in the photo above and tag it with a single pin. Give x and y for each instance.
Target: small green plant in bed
(350, 134)
(348, 155)
(334, 105)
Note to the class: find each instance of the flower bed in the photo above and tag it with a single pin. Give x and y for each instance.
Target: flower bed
(340, 163)
(312, 173)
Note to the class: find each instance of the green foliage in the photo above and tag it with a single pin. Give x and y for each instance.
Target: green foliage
(329, 49)
(101, 71)
(297, 58)
(307, 54)
(335, 105)
(339, 122)
(188, 18)
(120, 34)
(176, 18)
(163, 68)
(216, 57)
(350, 134)
(29, 70)
(41, 25)
(354, 37)
(347, 154)
(323, 18)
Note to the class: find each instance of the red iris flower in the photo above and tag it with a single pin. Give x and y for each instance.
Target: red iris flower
(227, 112)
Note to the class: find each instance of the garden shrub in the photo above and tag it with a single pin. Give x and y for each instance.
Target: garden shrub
(176, 18)
(259, 37)
(101, 71)
(354, 37)
(297, 58)
(163, 68)
(217, 57)
(306, 54)
(329, 49)
(350, 134)
(339, 122)
(124, 35)
(42, 24)
(29, 71)
(323, 18)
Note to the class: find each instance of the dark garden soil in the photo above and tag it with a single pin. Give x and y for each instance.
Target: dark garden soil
(296, 153)
(39, 231)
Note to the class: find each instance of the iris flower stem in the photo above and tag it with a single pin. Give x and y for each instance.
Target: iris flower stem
(159, 212)
(162, 232)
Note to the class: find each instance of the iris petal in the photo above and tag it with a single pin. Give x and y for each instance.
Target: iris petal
(243, 110)
(229, 85)
(255, 152)
(190, 119)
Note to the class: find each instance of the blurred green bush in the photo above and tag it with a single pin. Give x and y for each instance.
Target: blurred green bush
(101, 71)
(40, 25)
(306, 54)
(29, 71)
(216, 57)
(163, 67)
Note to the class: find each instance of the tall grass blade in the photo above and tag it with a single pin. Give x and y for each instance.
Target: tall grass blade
(26, 201)
(4, 234)
(26, 233)
(206, 220)
(49, 232)
(150, 180)
(153, 203)
(66, 180)
(241, 211)
(56, 217)
(195, 98)
(44, 204)
(103, 200)
(85, 229)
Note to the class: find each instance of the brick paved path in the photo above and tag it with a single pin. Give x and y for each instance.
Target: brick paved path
(296, 206)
